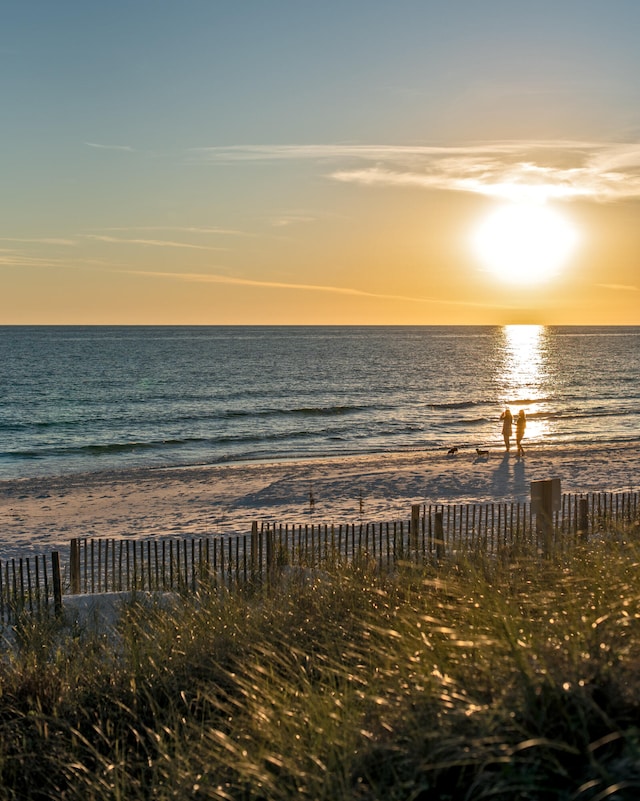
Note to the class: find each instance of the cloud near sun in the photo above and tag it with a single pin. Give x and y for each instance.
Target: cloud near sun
(531, 171)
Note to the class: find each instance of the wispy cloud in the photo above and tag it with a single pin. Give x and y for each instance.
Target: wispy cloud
(214, 278)
(40, 241)
(536, 171)
(619, 287)
(16, 259)
(291, 219)
(99, 146)
(189, 229)
(160, 243)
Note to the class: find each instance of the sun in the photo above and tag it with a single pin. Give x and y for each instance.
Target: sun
(524, 243)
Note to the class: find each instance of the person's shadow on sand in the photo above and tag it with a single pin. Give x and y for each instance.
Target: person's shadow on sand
(519, 478)
(500, 481)
(505, 483)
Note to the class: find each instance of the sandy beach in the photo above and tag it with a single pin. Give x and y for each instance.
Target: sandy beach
(38, 514)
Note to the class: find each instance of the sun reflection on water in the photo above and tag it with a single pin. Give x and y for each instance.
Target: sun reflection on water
(523, 375)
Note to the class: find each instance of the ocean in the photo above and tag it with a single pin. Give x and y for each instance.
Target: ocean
(78, 399)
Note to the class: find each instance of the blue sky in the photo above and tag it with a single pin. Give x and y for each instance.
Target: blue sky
(295, 161)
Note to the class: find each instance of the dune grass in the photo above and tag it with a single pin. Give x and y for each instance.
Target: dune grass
(478, 679)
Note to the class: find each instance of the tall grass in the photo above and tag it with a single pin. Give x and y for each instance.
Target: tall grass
(511, 679)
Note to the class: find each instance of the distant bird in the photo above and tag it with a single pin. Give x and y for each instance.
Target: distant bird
(481, 452)
(452, 451)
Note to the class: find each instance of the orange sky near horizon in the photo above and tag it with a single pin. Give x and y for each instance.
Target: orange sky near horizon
(356, 164)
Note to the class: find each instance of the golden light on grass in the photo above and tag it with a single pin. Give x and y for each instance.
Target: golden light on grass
(524, 243)
(358, 683)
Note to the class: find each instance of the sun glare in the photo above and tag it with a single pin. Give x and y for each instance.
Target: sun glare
(524, 243)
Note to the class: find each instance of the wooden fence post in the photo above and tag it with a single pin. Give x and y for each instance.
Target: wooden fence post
(74, 566)
(270, 553)
(254, 549)
(583, 517)
(415, 528)
(57, 583)
(439, 535)
(545, 500)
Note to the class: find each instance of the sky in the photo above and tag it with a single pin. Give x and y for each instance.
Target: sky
(295, 162)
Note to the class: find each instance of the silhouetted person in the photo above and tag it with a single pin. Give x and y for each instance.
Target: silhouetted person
(507, 424)
(521, 424)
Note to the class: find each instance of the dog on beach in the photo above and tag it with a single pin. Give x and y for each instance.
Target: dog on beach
(452, 451)
(482, 452)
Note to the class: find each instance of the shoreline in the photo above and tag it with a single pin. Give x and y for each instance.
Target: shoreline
(41, 513)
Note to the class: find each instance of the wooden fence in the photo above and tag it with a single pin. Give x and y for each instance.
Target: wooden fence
(36, 584)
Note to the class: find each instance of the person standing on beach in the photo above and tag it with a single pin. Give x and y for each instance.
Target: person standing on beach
(507, 419)
(521, 424)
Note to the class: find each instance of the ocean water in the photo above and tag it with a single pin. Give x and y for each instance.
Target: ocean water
(76, 399)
